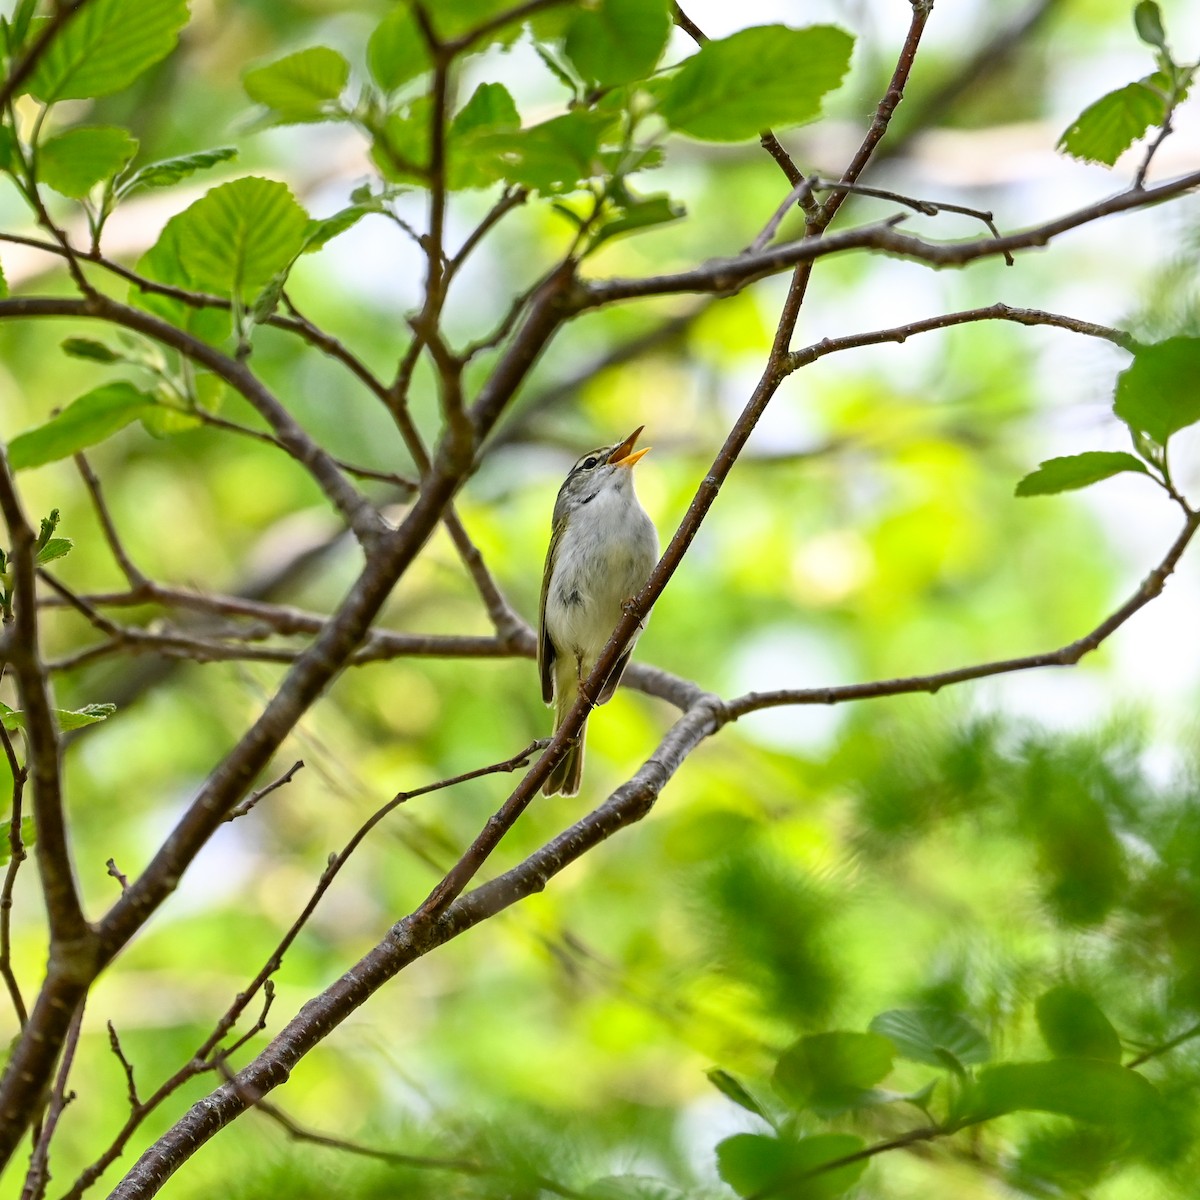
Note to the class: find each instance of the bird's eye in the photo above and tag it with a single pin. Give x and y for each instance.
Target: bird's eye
(589, 463)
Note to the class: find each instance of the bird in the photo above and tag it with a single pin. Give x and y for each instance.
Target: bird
(603, 547)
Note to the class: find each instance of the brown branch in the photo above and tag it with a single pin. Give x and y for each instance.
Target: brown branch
(71, 937)
(16, 856)
(991, 312)
(416, 935)
(729, 275)
(1188, 1035)
(38, 1175)
(108, 527)
(1064, 656)
(355, 509)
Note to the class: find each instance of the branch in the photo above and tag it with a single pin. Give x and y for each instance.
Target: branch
(70, 936)
(418, 934)
(16, 856)
(1064, 656)
(729, 275)
(355, 509)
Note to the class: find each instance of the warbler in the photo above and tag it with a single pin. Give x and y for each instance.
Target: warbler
(603, 547)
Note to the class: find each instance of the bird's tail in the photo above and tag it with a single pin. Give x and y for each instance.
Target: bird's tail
(566, 777)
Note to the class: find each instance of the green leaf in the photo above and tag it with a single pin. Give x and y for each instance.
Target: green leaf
(75, 161)
(1147, 20)
(553, 157)
(54, 548)
(318, 232)
(168, 171)
(87, 348)
(1106, 129)
(301, 86)
(1157, 393)
(8, 148)
(830, 1070)
(1073, 1025)
(616, 41)
(396, 51)
(469, 162)
(1084, 1088)
(163, 263)
(643, 214)
(237, 237)
(28, 828)
(67, 718)
(765, 77)
(733, 1089)
(1077, 471)
(166, 419)
(105, 46)
(84, 422)
(401, 148)
(753, 1163)
(3, 284)
(927, 1035)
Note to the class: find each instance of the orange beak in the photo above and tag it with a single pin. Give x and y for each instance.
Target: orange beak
(624, 455)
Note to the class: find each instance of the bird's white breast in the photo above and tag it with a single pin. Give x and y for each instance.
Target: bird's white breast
(604, 557)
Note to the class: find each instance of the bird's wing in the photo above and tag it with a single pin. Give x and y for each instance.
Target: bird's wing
(545, 647)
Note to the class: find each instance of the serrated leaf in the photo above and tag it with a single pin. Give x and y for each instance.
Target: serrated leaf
(66, 718)
(1073, 1025)
(617, 41)
(74, 161)
(732, 1089)
(300, 86)
(168, 171)
(1147, 20)
(765, 77)
(925, 1034)
(1106, 129)
(88, 348)
(1077, 471)
(753, 1164)
(58, 547)
(828, 1071)
(553, 157)
(105, 46)
(396, 51)
(469, 161)
(235, 239)
(1157, 393)
(1084, 1088)
(84, 422)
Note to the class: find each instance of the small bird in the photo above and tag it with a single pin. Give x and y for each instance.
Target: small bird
(603, 547)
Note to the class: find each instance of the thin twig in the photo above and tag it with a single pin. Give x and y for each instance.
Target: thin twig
(38, 1175)
(107, 525)
(130, 1085)
(246, 805)
(16, 856)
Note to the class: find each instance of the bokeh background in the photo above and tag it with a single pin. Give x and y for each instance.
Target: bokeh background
(809, 867)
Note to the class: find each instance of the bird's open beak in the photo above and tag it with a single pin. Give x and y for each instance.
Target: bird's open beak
(624, 455)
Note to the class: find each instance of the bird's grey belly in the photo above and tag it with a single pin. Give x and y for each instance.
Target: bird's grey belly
(592, 579)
